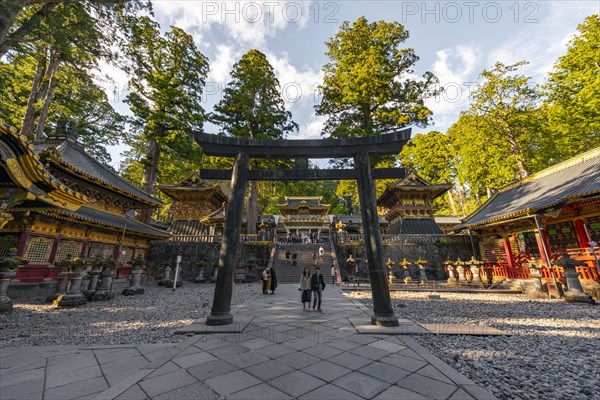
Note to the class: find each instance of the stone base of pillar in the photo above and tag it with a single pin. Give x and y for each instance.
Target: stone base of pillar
(575, 296)
(408, 280)
(72, 300)
(6, 304)
(103, 295)
(452, 281)
(129, 291)
(222, 319)
(385, 320)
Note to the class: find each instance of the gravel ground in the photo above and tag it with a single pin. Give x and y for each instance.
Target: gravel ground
(148, 318)
(553, 353)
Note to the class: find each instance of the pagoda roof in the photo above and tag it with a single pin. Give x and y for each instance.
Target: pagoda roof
(411, 183)
(66, 151)
(306, 204)
(193, 184)
(414, 226)
(546, 191)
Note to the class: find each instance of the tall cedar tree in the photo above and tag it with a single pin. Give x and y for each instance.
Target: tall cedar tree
(365, 87)
(167, 78)
(252, 107)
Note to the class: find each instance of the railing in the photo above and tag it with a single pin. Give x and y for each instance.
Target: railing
(511, 273)
(586, 255)
(589, 274)
(403, 239)
(212, 238)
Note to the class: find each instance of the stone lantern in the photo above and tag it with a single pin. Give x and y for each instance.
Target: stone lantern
(105, 292)
(460, 268)
(575, 291)
(406, 277)
(474, 265)
(201, 267)
(166, 276)
(8, 270)
(449, 264)
(74, 297)
(390, 265)
(94, 274)
(137, 269)
(422, 275)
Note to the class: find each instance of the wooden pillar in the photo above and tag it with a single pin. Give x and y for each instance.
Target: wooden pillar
(220, 313)
(538, 239)
(580, 233)
(383, 312)
(22, 245)
(54, 250)
(510, 258)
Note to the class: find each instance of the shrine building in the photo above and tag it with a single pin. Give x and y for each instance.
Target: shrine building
(197, 213)
(407, 206)
(57, 201)
(536, 220)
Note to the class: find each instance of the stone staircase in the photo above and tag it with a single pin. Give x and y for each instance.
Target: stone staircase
(288, 273)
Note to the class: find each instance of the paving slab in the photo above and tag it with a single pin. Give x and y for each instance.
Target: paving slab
(363, 385)
(296, 383)
(195, 391)
(398, 393)
(211, 369)
(191, 360)
(427, 387)
(133, 393)
(166, 383)
(326, 370)
(240, 322)
(385, 372)
(76, 390)
(269, 369)
(260, 392)
(351, 361)
(298, 359)
(330, 392)
(232, 382)
(363, 326)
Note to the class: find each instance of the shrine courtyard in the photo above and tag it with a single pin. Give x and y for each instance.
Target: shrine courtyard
(129, 348)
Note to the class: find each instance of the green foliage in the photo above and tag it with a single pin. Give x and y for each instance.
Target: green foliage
(167, 77)
(431, 156)
(252, 106)
(365, 86)
(504, 108)
(573, 100)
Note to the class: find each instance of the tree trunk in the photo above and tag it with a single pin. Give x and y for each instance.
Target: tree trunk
(51, 73)
(30, 113)
(514, 149)
(150, 174)
(252, 205)
(452, 202)
(488, 191)
(8, 41)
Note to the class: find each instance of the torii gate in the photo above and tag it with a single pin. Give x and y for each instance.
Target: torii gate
(301, 150)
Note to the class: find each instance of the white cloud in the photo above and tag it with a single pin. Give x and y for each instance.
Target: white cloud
(311, 129)
(246, 22)
(221, 64)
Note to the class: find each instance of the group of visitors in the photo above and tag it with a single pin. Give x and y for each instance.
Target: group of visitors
(312, 284)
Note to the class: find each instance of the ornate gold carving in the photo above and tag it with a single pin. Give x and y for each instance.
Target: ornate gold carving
(17, 173)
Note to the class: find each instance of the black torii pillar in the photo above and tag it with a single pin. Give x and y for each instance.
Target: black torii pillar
(220, 313)
(383, 312)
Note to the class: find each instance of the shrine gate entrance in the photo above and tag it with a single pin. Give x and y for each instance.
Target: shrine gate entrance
(360, 149)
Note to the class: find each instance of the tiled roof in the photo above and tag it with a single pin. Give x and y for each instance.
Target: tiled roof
(92, 216)
(72, 153)
(414, 226)
(576, 178)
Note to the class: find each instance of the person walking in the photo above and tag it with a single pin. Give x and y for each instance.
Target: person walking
(333, 275)
(287, 256)
(317, 285)
(266, 280)
(322, 253)
(295, 259)
(273, 284)
(314, 258)
(305, 289)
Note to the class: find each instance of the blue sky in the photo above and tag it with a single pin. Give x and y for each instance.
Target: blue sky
(455, 40)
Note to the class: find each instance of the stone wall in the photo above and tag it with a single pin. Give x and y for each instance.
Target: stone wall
(165, 253)
(435, 253)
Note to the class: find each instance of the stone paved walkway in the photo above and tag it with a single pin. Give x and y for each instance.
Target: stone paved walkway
(281, 353)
